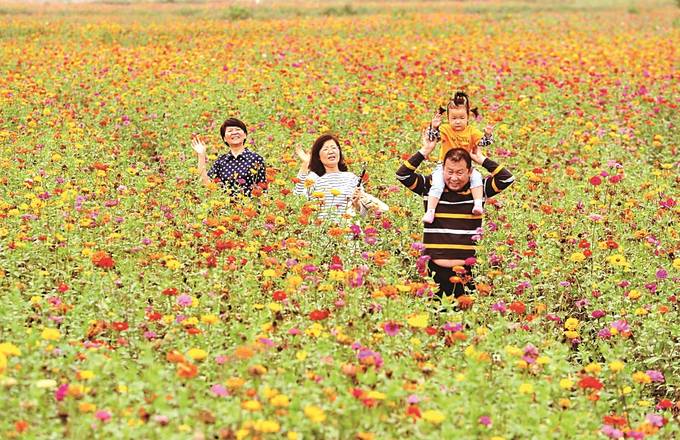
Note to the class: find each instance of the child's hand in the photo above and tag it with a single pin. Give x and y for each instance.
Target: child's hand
(436, 120)
(198, 146)
(488, 130)
(428, 145)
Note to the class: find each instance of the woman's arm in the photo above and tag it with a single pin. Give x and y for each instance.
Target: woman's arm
(199, 148)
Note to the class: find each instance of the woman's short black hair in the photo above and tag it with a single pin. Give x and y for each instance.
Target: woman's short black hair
(314, 159)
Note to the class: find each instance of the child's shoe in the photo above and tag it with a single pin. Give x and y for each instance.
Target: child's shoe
(429, 216)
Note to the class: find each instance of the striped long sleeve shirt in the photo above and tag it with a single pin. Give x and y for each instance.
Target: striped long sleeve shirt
(334, 189)
(451, 234)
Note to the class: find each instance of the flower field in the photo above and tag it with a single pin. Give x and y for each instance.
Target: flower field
(137, 303)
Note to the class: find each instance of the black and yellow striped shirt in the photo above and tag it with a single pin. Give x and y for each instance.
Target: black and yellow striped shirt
(450, 235)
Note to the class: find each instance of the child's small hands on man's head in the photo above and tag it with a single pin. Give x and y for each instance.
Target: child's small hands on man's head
(488, 130)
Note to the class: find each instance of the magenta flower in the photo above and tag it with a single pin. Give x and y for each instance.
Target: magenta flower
(485, 420)
(662, 274)
(621, 325)
(391, 328)
(499, 307)
(452, 327)
(103, 415)
(60, 392)
(597, 314)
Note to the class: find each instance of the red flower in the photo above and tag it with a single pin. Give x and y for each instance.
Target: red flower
(211, 261)
(590, 382)
(153, 316)
(664, 404)
(279, 295)
(170, 291)
(615, 420)
(413, 411)
(518, 307)
(119, 326)
(595, 180)
(63, 287)
(431, 331)
(103, 260)
(319, 315)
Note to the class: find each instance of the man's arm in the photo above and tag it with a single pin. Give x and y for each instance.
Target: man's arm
(500, 178)
(406, 173)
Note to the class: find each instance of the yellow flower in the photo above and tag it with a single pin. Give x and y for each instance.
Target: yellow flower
(617, 260)
(571, 324)
(51, 334)
(209, 319)
(301, 355)
(571, 334)
(565, 403)
(419, 320)
(526, 388)
(275, 307)
(513, 351)
(280, 401)
(251, 405)
(676, 263)
(577, 257)
(433, 416)
(267, 426)
(315, 414)
(197, 354)
(375, 395)
(85, 375)
(641, 377)
(616, 366)
(9, 349)
(634, 294)
(566, 384)
(593, 368)
(335, 192)
(269, 273)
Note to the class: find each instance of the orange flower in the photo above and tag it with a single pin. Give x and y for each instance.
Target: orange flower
(187, 370)
(244, 352)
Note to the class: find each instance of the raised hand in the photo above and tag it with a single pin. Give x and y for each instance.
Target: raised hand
(477, 155)
(302, 154)
(436, 120)
(198, 146)
(428, 145)
(488, 130)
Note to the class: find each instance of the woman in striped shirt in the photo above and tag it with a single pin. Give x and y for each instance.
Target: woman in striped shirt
(323, 175)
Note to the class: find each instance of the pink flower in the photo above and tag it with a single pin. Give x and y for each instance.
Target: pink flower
(485, 420)
(60, 392)
(656, 376)
(391, 328)
(184, 300)
(219, 390)
(103, 415)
